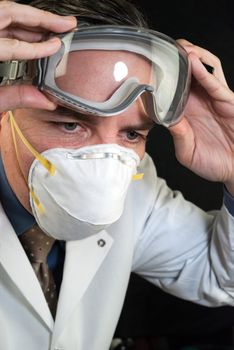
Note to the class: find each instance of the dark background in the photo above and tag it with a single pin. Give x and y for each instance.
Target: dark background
(148, 311)
(209, 24)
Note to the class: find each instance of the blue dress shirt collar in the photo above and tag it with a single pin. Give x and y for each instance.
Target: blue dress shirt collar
(19, 217)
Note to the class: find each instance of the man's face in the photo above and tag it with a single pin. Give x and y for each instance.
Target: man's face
(93, 77)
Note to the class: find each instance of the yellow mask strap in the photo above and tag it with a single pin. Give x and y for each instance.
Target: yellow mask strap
(137, 177)
(46, 163)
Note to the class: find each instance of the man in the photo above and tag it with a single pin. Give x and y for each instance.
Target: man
(72, 170)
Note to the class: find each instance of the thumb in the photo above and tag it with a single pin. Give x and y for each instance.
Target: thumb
(183, 138)
(23, 96)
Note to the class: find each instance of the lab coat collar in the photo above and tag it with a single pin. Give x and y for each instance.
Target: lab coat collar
(16, 264)
(89, 252)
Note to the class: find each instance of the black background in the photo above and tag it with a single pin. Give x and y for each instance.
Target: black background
(209, 24)
(147, 310)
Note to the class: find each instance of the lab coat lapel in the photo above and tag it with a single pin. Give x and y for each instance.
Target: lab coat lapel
(83, 259)
(15, 262)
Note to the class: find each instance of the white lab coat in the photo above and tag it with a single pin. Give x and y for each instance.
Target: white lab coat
(160, 236)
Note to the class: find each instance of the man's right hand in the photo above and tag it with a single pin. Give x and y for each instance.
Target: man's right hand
(22, 29)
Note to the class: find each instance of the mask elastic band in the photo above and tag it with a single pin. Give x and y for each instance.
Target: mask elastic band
(138, 177)
(37, 202)
(45, 162)
(50, 167)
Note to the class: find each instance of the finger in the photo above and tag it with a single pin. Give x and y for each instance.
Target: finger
(21, 50)
(209, 82)
(206, 57)
(29, 29)
(11, 12)
(25, 96)
(22, 34)
(184, 42)
(183, 138)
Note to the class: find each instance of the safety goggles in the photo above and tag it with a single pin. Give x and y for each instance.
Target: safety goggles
(103, 70)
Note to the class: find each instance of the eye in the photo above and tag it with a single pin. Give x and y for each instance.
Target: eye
(70, 126)
(132, 135)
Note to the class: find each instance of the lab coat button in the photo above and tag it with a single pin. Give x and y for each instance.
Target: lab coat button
(101, 242)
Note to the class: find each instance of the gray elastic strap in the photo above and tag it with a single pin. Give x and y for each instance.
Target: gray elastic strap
(12, 70)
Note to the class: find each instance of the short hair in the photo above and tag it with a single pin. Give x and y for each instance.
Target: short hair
(96, 12)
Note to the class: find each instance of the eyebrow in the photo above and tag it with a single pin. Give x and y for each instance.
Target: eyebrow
(66, 112)
(147, 124)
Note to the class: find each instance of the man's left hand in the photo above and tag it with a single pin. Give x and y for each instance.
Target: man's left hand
(204, 138)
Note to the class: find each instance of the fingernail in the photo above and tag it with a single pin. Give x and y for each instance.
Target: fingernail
(188, 44)
(53, 40)
(69, 18)
(51, 106)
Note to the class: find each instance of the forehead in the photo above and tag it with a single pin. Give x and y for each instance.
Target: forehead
(96, 74)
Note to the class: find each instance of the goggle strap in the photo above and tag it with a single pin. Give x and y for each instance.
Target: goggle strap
(12, 70)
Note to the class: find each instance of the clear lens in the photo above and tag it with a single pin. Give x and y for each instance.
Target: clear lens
(94, 75)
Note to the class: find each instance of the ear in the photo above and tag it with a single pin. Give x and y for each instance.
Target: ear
(2, 115)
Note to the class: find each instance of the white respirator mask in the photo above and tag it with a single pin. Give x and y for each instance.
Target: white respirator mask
(75, 193)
